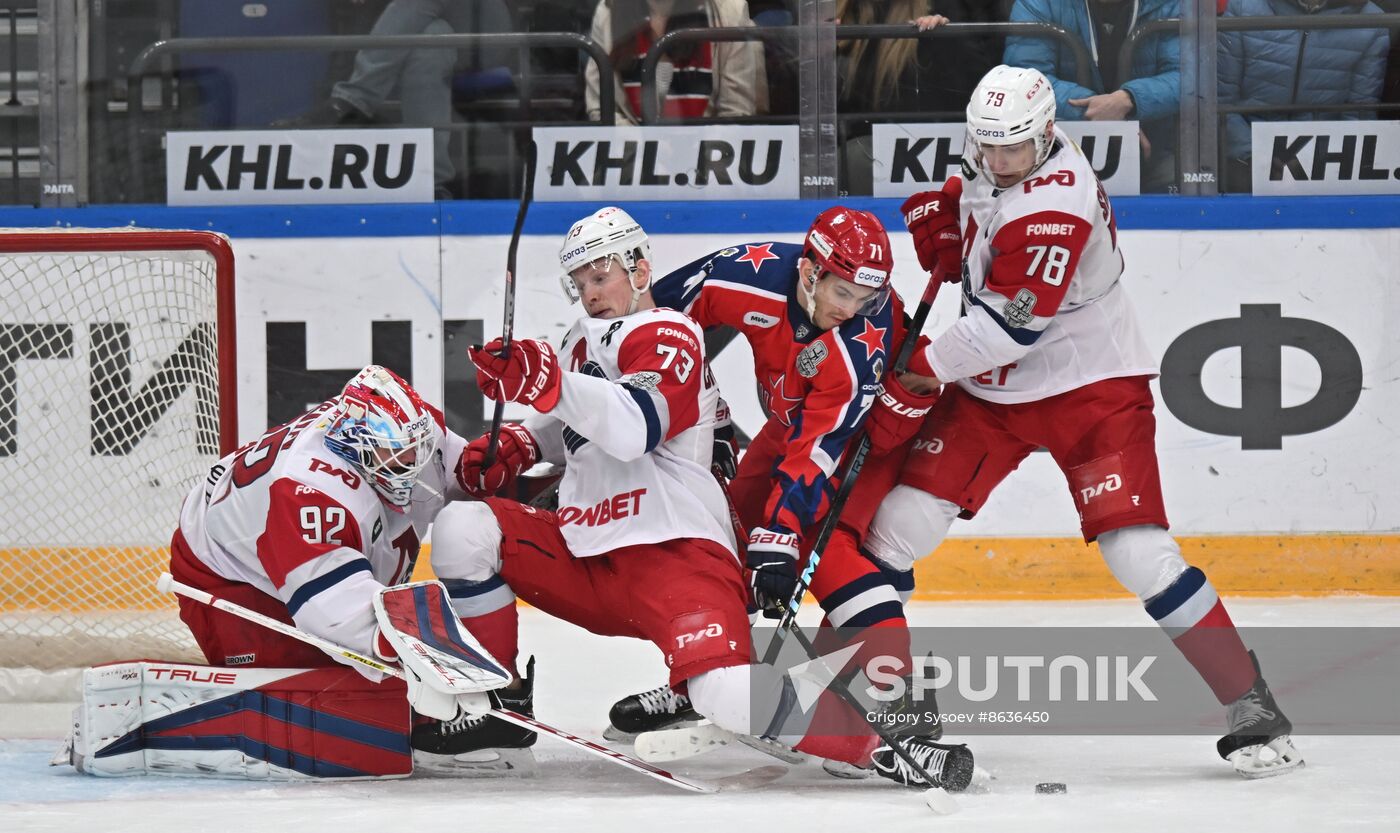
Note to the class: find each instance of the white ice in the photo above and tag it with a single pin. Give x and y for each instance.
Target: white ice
(1114, 783)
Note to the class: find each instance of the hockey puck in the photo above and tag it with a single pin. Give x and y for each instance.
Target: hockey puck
(1051, 788)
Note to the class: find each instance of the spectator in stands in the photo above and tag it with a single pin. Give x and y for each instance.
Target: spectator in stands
(913, 76)
(696, 79)
(1148, 91)
(423, 77)
(1390, 89)
(906, 75)
(1290, 66)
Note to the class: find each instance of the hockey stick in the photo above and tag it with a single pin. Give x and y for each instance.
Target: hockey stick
(167, 584)
(848, 473)
(527, 194)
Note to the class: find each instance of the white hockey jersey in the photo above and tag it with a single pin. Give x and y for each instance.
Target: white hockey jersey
(1043, 311)
(287, 516)
(634, 429)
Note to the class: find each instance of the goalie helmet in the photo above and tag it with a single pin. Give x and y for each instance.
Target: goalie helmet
(607, 233)
(384, 429)
(1011, 105)
(853, 246)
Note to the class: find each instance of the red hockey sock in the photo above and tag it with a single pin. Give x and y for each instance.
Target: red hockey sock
(498, 632)
(838, 733)
(1196, 620)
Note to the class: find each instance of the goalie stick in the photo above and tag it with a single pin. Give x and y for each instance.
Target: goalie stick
(527, 194)
(167, 584)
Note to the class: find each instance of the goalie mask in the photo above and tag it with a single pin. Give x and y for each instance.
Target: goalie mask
(1011, 105)
(597, 239)
(384, 429)
(853, 246)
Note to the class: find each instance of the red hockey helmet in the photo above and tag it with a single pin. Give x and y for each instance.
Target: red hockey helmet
(853, 246)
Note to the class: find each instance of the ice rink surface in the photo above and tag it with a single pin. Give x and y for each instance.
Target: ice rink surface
(1114, 783)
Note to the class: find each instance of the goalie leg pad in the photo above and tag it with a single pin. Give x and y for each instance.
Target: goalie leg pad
(443, 663)
(261, 724)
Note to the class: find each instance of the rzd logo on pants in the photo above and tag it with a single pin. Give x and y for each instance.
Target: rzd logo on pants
(698, 637)
(1098, 488)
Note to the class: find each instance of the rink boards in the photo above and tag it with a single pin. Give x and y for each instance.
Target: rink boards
(1278, 414)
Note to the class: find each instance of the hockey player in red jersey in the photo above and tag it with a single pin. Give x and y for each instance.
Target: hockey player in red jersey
(642, 544)
(1048, 354)
(820, 319)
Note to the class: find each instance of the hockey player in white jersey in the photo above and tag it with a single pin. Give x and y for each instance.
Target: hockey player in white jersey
(642, 544)
(313, 524)
(1048, 353)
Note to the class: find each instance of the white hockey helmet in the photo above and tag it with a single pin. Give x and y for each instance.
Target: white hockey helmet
(384, 429)
(1011, 105)
(607, 233)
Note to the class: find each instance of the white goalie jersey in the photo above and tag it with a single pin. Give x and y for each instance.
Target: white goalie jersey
(634, 428)
(1043, 309)
(287, 516)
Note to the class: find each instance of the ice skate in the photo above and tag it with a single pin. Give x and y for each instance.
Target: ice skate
(950, 766)
(650, 711)
(480, 745)
(1257, 742)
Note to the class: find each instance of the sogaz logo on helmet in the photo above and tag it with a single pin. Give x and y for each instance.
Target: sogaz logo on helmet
(990, 134)
(574, 253)
(865, 276)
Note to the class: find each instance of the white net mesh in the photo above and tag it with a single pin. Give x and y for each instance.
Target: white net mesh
(109, 412)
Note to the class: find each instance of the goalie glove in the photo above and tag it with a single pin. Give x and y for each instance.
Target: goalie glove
(446, 669)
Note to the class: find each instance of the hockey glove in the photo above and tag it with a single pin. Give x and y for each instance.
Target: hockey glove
(724, 461)
(517, 452)
(932, 219)
(897, 415)
(528, 373)
(772, 555)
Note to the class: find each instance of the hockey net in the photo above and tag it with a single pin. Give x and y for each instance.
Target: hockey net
(117, 388)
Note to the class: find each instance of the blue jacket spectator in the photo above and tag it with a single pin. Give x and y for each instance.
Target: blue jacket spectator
(1154, 80)
(1335, 66)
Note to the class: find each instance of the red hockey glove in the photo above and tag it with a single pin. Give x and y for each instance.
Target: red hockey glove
(897, 415)
(517, 452)
(932, 219)
(529, 374)
(772, 555)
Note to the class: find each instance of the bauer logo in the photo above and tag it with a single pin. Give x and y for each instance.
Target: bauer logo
(255, 167)
(649, 163)
(914, 157)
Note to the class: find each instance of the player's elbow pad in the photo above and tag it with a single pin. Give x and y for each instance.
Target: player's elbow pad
(974, 345)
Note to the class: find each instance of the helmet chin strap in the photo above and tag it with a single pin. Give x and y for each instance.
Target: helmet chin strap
(632, 282)
(809, 294)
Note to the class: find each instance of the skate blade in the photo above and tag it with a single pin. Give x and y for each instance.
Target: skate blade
(482, 763)
(1277, 757)
(773, 748)
(616, 735)
(841, 769)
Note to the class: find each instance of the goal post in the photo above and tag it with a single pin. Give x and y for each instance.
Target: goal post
(117, 392)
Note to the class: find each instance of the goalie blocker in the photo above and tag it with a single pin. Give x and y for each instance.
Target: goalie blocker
(286, 724)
